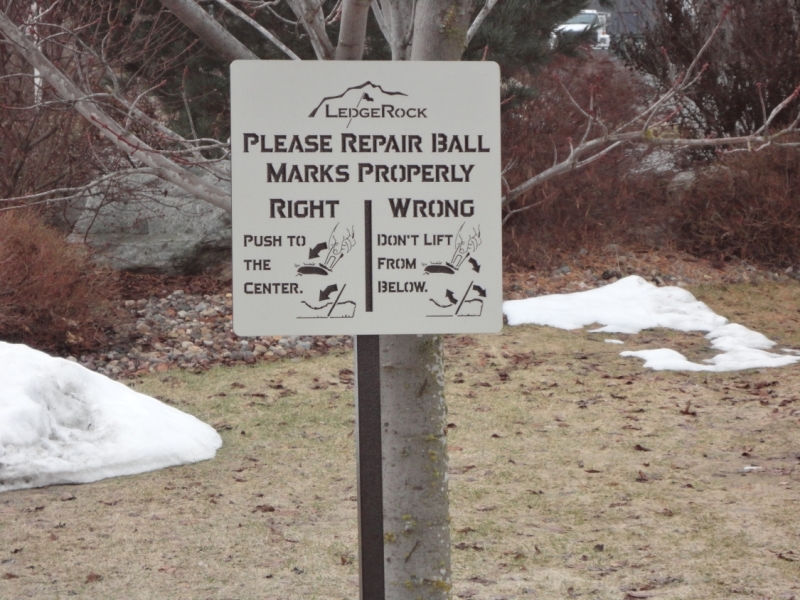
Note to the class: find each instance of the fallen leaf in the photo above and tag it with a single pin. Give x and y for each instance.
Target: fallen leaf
(787, 555)
(465, 546)
(465, 530)
(482, 580)
(93, 577)
(641, 448)
(642, 477)
(264, 508)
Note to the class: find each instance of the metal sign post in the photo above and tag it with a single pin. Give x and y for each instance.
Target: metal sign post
(366, 201)
(369, 465)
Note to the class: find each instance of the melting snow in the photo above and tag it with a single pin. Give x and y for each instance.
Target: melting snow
(62, 423)
(632, 304)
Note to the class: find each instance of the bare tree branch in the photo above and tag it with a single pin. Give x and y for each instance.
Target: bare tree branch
(110, 129)
(208, 30)
(257, 26)
(479, 19)
(651, 131)
(311, 17)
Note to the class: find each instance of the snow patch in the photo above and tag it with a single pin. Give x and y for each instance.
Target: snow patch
(62, 423)
(632, 304)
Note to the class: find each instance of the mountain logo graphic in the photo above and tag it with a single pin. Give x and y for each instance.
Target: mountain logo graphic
(367, 101)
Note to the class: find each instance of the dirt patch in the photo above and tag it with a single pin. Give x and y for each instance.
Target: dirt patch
(574, 473)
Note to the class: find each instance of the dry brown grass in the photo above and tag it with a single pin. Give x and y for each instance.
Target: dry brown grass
(574, 473)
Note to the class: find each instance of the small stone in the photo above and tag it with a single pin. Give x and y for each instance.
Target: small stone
(142, 328)
(260, 349)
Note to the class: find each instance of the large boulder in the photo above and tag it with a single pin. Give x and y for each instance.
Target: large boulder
(147, 224)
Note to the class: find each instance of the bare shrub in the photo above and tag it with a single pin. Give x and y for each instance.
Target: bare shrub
(750, 68)
(746, 206)
(611, 200)
(51, 297)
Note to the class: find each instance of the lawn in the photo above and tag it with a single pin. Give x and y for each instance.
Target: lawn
(574, 472)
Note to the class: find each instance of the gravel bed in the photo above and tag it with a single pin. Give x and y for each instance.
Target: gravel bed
(191, 331)
(194, 330)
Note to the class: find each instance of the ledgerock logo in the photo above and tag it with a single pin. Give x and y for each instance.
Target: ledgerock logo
(366, 101)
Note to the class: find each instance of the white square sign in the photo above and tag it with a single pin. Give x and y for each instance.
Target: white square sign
(366, 197)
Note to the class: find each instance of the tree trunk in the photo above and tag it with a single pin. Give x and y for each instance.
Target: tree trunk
(440, 29)
(416, 510)
(353, 29)
(416, 517)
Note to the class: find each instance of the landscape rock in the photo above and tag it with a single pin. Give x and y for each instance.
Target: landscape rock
(150, 225)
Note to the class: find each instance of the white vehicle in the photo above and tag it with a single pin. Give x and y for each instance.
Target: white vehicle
(587, 20)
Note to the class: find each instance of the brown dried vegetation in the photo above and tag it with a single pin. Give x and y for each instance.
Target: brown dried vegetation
(746, 206)
(50, 295)
(608, 201)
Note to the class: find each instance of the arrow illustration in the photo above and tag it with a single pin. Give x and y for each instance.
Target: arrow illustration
(326, 293)
(480, 290)
(475, 265)
(450, 297)
(314, 252)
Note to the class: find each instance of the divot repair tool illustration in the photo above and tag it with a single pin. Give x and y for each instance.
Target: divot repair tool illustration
(338, 245)
(463, 249)
(465, 307)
